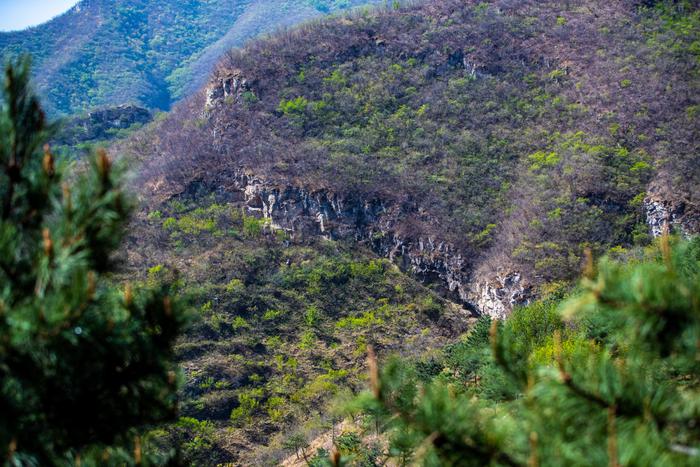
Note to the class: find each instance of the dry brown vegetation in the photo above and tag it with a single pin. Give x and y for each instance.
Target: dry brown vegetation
(522, 132)
(529, 130)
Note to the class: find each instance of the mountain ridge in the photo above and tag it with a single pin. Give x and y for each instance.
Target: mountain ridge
(474, 153)
(102, 52)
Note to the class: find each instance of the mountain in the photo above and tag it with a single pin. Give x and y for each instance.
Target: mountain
(383, 177)
(144, 52)
(485, 148)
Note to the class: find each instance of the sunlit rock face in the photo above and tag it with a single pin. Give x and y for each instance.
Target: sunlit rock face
(662, 214)
(226, 88)
(497, 297)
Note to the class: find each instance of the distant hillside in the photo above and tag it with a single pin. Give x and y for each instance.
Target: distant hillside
(498, 140)
(96, 128)
(144, 52)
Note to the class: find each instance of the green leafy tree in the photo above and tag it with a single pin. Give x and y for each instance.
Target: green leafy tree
(297, 443)
(84, 364)
(612, 379)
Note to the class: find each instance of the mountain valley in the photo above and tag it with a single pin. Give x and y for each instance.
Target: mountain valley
(480, 211)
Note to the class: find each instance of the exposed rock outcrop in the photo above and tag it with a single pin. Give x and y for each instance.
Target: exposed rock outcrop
(675, 215)
(497, 297)
(226, 87)
(304, 214)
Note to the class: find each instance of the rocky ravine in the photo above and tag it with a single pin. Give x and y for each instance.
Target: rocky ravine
(304, 213)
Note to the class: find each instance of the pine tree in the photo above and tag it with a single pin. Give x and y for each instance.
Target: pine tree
(84, 364)
(612, 378)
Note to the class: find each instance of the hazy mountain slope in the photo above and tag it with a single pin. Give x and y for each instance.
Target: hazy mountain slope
(499, 140)
(109, 52)
(263, 16)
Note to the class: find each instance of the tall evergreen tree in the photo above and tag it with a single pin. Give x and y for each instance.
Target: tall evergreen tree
(84, 364)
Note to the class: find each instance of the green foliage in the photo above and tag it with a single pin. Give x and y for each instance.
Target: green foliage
(542, 160)
(311, 316)
(199, 434)
(439, 133)
(348, 442)
(296, 443)
(294, 107)
(502, 152)
(239, 322)
(152, 53)
(556, 238)
(308, 340)
(248, 402)
(234, 286)
(272, 314)
(250, 98)
(267, 352)
(366, 320)
(609, 376)
(84, 365)
(252, 226)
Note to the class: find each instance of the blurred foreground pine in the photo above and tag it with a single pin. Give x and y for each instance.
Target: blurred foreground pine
(609, 376)
(84, 365)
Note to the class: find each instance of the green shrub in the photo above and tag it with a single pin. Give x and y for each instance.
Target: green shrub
(253, 227)
(312, 315)
(366, 320)
(235, 286)
(239, 323)
(249, 401)
(293, 108)
(271, 315)
(348, 442)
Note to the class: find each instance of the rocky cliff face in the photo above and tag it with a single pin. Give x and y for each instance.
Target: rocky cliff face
(225, 87)
(674, 215)
(497, 296)
(304, 214)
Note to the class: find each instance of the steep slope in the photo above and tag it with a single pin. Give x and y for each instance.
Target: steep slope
(282, 327)
(482, 146)
(108, 52)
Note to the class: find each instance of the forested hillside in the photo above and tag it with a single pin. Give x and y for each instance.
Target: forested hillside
(496, 141)
(401, 198)
(606, 376)
(149, 53)
(480, 148)
(282, 324)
